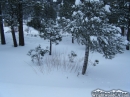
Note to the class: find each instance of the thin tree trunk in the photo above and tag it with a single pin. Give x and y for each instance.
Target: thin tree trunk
(14, 37)
(1, 28)
(85, 60)
(72, 38)
(128, 33)
(122, 31)
(20, 20)
(50, 47)
(128, 37)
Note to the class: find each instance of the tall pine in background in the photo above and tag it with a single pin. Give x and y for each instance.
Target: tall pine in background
(119, 14)
(36, 15)
(11, 18)
(66, 10)
(120, 10)
(13, 15)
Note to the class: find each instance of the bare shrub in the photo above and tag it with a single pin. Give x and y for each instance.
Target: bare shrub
(57, 61)
(60, 61)
(37, 55)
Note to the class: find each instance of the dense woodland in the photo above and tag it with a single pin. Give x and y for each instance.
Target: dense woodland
(90, 23)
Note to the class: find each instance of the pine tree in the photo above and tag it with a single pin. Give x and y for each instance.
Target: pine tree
(51, 33)
(14, 17)
(120, 13)
(66, 11)
(37, 15)
(66, 8)
(51, 29)
(120, 9)
(91, 28)
(49, 12)
(11, 18)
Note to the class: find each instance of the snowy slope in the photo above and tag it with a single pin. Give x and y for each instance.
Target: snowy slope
(19, 77)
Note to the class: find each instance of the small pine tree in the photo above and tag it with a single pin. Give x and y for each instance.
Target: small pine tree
(91, 28)
(51, 33)
(51, 29)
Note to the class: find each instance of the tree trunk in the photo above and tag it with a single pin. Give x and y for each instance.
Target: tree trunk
(128, 37)
(20, 20)
(122, 31)
(1, 28)
(50, 47)
(72, 38)
(14, 37)
(128, 33)
(85, 60)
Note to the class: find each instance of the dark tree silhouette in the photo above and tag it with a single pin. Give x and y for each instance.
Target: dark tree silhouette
(1, 26)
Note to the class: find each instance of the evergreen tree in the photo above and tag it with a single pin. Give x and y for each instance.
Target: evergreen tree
(66, 11)
(50, 27)
(49, 12)
(91, 28)
(72, 2)
(11, 17)
(119, 14)
(51, 33)
(41, 11)
(37, 16)
(14, 17)
(120, 9)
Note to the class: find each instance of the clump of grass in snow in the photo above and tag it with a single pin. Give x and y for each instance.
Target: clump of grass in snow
(61, 62)
(58, 61)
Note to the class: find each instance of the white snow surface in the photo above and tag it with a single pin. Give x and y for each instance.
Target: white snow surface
(77, 2)
(93, 38)
(19, 77)
(54, 0)
(107, 8)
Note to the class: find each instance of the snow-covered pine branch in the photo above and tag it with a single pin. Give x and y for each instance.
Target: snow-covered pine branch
(91, 28)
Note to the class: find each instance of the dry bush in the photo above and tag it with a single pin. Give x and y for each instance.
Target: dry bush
(60, 61)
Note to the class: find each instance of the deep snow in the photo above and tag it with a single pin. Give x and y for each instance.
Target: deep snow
(19, 77)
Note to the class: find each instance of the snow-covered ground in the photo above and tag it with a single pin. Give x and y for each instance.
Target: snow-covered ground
(19, 77)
